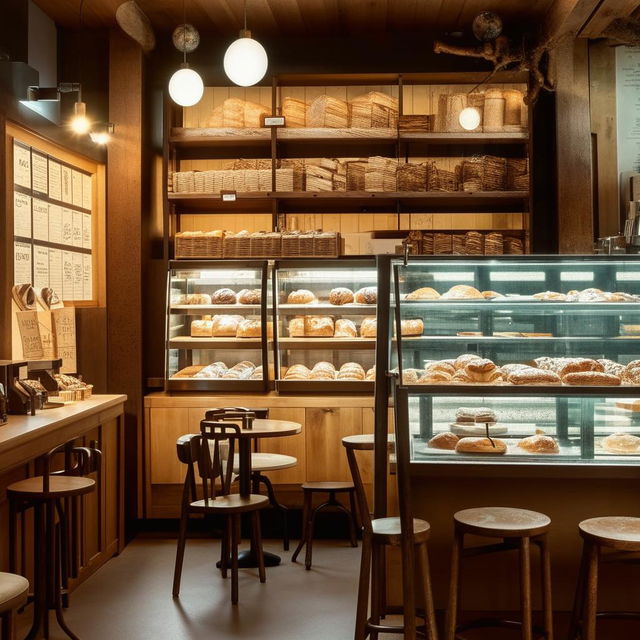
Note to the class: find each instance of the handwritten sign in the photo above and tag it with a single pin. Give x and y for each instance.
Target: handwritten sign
(39, 173)
(67, 275)
(87, 192)
(22, 257)
(66, 185)
(628, 108)
(21, 165)
(40, 220)
(55, 223)
(67, 226)
(76, 229)
(87, 275)
(55, 180)
(76, 188)
(55, 269)
(40, 267)
(21, 215)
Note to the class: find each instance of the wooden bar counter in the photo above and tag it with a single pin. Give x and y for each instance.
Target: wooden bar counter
(25, 438)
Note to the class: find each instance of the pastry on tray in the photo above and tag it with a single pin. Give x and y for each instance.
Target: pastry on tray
(621, 443)
(224, 296)
(481, 445)
(539, 444)
(340, 296)
(301, 296)
(462, 292)
(424, 293)
(444, 440)
(367, 295)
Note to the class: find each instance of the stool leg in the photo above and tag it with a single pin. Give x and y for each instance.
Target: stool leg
(182, 540)
(8, 626)
(276, 505)
(310, 532)
(257, 542)
(363, 589)
(376, 579)
(451, 621)
(235, 542)
(525, 588)
(353, 505)
(577, 615)
(427, 594)
(13, 536)
(40, 610)
(547, 600)
(353, 536)
(224, 547)
(589, 623)
(306, 509)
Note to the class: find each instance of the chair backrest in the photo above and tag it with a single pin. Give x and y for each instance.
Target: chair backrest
(351, 447)
(236, 413)
(78, 461)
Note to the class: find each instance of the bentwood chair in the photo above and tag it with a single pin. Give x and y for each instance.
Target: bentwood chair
(202, 455)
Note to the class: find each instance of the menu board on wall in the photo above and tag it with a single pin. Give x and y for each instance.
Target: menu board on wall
(53, 219)
(628, 108)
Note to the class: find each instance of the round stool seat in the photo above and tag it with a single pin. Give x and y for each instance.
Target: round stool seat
(502, 522)
(267, 462)
(234, 502)
(328, 486)
(365, 441)
(59, 487)
(14, 590)
(387, 530)
(619, 532)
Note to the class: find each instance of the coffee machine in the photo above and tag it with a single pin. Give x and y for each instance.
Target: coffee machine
(18, 400)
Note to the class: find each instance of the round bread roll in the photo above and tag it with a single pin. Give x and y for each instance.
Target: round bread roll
(371, 374)
(321, 374)
(592, 378)
(367, 295)
(225, 325)
(410, 376)
(340, 295)
(578, 365)
(301, 296)
(631, 375)
(621, 443)
(462, 361)
(202, 328)
(325, 366)
(434, 377)
(345, 328)
(197, 298)
(224, 296)
(539, 444)
(462, 292)
(481, 445)
(412, 327)
(550, 296)
(250, 296)
(444, 440)
(351, 373)
(253, 329)
(472, 415)
(531, 375)
(441, 366)
(424, 293)
(489, 295)
(480, 365)
(319, 326)
(508, 369)
(461, 376)
(369, 327)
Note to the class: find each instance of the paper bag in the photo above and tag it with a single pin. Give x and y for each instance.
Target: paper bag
(29, 328)
(64, 327)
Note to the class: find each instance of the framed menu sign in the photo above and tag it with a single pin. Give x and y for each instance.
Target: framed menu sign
(54, 223)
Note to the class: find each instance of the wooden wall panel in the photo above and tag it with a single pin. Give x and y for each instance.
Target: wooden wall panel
(573, 132)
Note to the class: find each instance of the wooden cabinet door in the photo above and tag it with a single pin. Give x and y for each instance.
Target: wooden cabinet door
(325, 428)
(289, 446)
(166, 426)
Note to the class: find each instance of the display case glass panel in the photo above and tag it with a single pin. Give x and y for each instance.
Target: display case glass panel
(326, 325)
(217, 314)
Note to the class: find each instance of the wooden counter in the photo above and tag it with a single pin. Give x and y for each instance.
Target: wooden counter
(325, 421)
(25, 438)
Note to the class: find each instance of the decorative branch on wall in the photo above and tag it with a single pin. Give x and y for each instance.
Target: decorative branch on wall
(505, 54)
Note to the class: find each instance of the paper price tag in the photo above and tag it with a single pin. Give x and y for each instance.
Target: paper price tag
(229, 196)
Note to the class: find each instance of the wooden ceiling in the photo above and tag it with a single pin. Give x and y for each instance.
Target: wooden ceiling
(313, 17)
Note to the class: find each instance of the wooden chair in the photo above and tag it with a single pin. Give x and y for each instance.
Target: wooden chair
(201, 453)
(14, 591)
(48, 495)
(261, 463)
(517, 530)
(377, 535)
(606, 539)
(309, 514)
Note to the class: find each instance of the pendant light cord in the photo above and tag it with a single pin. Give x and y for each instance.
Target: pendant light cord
(184, 31)
(245, 15)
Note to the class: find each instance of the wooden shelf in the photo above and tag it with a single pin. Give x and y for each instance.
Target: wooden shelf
(188, 342)
(506, 137)
(350, 201)
(212, 309)
(206, 137)
(323, 307)
(332, 344)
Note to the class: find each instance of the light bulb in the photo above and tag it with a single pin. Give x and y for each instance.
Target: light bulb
(469, 118)
(186, 87)
(80, 123)
(245, 61)
(100, 137)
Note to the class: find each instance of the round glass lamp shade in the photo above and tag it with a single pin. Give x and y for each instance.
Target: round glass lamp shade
(186, 87)
(245, 62)
(469, 118)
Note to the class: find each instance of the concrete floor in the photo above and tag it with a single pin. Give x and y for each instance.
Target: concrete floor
(130, 599)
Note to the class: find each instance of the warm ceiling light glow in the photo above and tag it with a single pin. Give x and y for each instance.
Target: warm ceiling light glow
(186, 87)
(469, 118)
(245, 61)
(80, 123)
(100, 137)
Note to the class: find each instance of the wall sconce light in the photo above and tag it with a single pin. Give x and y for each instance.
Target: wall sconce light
(102, 134)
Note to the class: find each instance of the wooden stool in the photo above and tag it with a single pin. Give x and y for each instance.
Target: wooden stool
(197, 453)
(262, 463)
(14, 591)
(376, 536)
(45, 494)
(309, 513)
(620, 535)
(517, 528)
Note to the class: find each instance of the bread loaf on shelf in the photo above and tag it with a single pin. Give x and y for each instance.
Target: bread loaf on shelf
(318, 326)
(225, 325)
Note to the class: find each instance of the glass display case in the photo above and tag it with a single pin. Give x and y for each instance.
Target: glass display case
(325, 325)
(519, 359)
(218, 326)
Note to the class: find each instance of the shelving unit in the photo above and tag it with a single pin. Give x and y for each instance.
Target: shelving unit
(199, 143)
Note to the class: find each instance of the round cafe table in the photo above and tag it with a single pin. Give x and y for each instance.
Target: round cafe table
(260, 428)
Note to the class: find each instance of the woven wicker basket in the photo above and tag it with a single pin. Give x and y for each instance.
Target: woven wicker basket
(326, 244)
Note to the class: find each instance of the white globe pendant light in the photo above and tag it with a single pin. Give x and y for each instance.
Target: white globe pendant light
(245, 61)
(186, 86)
(469, 118)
